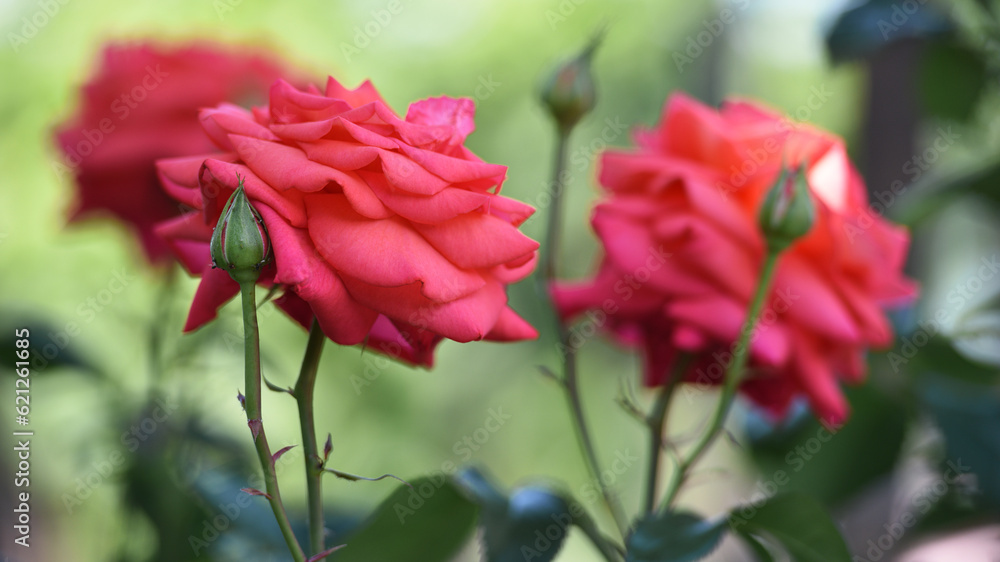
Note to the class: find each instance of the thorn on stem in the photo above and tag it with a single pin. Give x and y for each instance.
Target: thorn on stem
(256, 426)
(327, 448)
(282, 451)
(325, 553)
(254, 492)
(355, 477)
(275, 388)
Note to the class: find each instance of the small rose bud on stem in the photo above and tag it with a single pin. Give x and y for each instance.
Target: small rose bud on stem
(240, 244)
(787, 213)
(570, 93)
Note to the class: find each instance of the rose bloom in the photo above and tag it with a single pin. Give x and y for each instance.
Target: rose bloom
(683, 253)
(141, 105)
(388, 230)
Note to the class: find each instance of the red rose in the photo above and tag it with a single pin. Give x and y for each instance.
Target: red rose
(683, 252)
(143, 105)
(389, 229)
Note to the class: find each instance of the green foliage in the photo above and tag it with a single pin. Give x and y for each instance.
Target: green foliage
(927, 198)
(531, 524)
(952, 78)
(673, 536)
(810, 458)
(51, 347)
(427, 521)
(798, 523)
(968, 415)
(940, 356)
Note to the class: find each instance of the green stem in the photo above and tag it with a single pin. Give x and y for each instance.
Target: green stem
(157, 331)
(568, 353)
(584, 439)
(657, 422)
(314, 462)
(251, 344)
(733, 377)
(604, 545)
(553, 228)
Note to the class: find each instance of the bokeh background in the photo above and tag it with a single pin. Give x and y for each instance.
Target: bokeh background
(98, 494)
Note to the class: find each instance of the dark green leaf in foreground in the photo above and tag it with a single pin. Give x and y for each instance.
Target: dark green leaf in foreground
(673, 537)
(798, 523)
(968, 415)
(531, 524)
(428, 522)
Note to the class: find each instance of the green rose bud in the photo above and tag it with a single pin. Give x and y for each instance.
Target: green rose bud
(569, 93)
(240, 244)
(788, 212)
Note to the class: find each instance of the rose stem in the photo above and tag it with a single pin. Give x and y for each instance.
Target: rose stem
(607, 548)
(313, 462)
(568, 355)
(733, 377)
(251, 344)
(657, 426)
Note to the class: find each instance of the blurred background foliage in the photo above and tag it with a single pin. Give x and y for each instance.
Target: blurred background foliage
(102, 493)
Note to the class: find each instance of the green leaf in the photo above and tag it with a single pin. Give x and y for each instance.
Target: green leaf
(799, 523)
(951, 80)
(50, 346)
(942, 357)
(481, 489)
(756, 544)
(531, 524)
(426, 523)
(936, 191)
(673, 537)
(804, 456)
(977, 333)
(968, 415)
(533, 527)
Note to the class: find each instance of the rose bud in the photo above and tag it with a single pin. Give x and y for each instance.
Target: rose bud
(787, 213)
(569, 92)
(240, 244)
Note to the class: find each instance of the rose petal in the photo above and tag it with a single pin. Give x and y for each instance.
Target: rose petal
(341, 155)
(215, 290)
(179, 177)
(386, 253)
(298, 265)
(464, 319)
(188, 236)
(511, 327)
(477, 240)
(404, 174)
(219, 180)
(219, 122)
(432, 209)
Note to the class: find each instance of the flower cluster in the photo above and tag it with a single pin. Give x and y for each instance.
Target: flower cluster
(389, 231)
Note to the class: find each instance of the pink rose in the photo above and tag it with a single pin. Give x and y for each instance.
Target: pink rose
(141, 105)
(683, 252)
(389, 230)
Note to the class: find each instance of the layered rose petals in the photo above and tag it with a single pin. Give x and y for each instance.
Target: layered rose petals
(389, 230)
(682, 256)
(142, 105)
